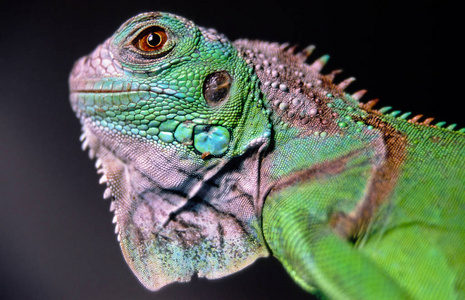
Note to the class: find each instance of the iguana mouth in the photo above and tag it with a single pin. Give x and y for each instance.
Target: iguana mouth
(100, 92)
(100, 86)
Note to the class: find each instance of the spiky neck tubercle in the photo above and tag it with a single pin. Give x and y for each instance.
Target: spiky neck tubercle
(298, 95)
(302, 99)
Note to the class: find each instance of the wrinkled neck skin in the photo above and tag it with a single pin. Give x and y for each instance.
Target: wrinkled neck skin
(176, 216)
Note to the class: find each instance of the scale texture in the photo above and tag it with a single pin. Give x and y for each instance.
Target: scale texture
(216, 153)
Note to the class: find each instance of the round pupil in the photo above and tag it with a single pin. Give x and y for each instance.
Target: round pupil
(153, 39)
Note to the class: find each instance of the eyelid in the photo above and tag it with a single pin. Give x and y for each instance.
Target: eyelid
(129, 52)
(141, 41)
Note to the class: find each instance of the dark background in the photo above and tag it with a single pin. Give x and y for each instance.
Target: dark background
(56, 235)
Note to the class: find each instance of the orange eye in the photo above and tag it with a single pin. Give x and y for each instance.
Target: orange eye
(151, 40)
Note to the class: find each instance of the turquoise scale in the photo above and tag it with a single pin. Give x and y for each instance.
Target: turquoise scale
(213, 139)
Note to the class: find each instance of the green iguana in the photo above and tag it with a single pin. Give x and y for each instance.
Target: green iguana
(217, 153)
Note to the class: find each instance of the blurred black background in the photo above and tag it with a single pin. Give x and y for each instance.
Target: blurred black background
(56, 235)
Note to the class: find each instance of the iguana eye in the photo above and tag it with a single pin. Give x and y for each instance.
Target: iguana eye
(151, 39)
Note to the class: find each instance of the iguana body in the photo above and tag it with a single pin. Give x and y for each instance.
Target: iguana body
(217, 153)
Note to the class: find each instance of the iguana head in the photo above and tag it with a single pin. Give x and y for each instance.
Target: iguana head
(173, 115)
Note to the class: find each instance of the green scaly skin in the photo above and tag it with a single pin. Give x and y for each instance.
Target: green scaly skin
(218, 153)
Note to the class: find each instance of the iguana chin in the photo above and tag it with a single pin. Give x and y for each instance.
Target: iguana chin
(217, 153)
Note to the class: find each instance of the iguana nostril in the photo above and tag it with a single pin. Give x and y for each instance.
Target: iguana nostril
(216, 87)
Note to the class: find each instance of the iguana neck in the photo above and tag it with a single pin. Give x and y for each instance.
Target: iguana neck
(318, 129)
